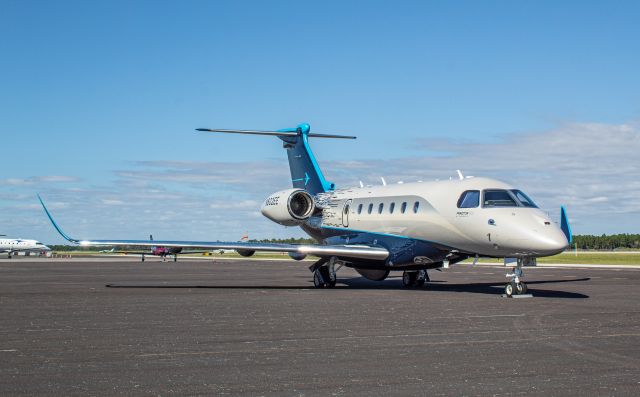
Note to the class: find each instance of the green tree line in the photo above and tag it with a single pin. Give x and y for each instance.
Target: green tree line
(604, 242)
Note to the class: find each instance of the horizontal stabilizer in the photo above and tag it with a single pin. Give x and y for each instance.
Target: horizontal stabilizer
(290, 133)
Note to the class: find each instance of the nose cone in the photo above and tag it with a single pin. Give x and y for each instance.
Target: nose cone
(551, 242)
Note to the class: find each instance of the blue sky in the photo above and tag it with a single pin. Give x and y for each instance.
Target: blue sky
(98, 102)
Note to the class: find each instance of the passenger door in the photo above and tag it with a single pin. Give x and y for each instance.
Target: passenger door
(345, 213)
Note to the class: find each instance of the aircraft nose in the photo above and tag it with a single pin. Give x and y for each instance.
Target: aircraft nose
(552, 242)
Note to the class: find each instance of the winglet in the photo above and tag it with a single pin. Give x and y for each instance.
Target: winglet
(72, 240)
(564, 224)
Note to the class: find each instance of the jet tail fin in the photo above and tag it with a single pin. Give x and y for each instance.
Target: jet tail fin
(305, 171)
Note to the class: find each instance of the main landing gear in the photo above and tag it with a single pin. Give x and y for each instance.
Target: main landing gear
(516, 286)
(324, 273)
(414, 278)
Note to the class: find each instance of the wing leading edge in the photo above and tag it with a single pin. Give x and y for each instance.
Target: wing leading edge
(347, 251)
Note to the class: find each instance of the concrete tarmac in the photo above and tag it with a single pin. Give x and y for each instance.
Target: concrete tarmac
(260, 328)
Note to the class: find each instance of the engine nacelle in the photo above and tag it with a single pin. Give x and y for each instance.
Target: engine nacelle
(289, 207)
(297, 256)
(373, 274)
(246, 253)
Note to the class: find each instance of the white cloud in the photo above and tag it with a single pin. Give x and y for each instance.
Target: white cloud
(232, 204)
(591, 168)
(15, 181)
(57, 179)
(39, 180)
(112, 202)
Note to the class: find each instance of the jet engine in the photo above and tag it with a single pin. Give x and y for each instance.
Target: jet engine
(289, 207)
(246, 253)
(373, 274)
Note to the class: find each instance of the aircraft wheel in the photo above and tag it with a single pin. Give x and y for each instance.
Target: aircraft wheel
(510, 289)
(317, 280)
(331, 284)
(421, 277)
(409, 278)
(521, 288)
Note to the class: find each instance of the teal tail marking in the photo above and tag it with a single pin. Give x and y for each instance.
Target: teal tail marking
(564, 225)
(305, 171)
(55, 225)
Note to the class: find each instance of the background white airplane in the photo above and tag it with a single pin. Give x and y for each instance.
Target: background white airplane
(409, 227)
(11, 246)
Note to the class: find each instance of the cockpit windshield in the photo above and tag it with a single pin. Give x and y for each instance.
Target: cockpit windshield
(523, 199)
(498, 198)
(506, 198)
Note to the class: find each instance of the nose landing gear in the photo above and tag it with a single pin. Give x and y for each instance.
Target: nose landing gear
(516, 286)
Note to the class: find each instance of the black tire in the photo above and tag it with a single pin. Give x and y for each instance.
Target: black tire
(519, 289)
(524, 288)
(409, 279)
(317, 280)
(331, 284)
(418, 283)
(509, 289)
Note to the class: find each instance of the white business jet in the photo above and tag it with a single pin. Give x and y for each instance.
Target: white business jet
(12, 246)
(409, 227)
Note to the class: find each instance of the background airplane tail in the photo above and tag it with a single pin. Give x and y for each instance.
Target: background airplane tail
(305, 171)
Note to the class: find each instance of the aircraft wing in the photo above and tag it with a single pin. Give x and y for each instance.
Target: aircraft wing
(347, 251)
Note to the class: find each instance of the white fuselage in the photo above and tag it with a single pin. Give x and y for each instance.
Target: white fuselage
(499, 231)
(19, 245)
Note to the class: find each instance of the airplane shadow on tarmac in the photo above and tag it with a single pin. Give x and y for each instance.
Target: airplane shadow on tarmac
(357, 283)
(478, 288)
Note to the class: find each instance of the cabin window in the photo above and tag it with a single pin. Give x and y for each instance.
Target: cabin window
(498, 198)
(370, 208)
(380, 208)
(416, 206)
(392, 206)
(359, 209)
(469, 199)
(523, 199)
(403, 207)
